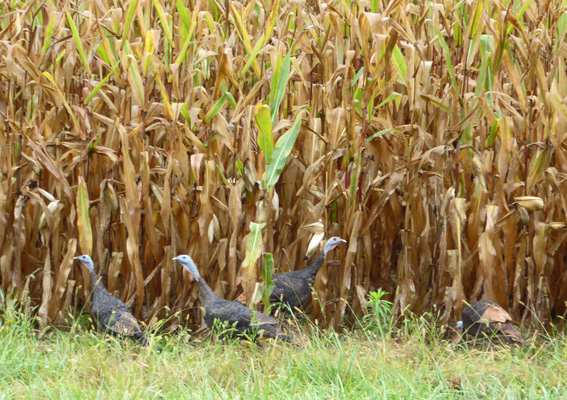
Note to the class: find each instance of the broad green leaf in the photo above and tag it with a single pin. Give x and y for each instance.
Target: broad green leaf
(129, 19)
(447, 54)
(475, 22)
(245, 38)
(400, 62)
(147, 58)
(110, 50)
(67, 107)
(240, 167)
(216, 108)
(265, 135)
(279, 83)
(357, 99)
(164, 96)
(97, 88)
(377, 135)
(78, 43)
(162, 18)
(188, 39)
(231, 100)
(83, 221)
(255, 245)
(185, 112)
(267, 272)
(281, 151)
(357, 76)
(221, 175)
(185, 17)
(493, 132)
(48, 36)
(374, 6)
(263, 40)
(391, 97)
(134, 75)
(252, 58)
(271, 22)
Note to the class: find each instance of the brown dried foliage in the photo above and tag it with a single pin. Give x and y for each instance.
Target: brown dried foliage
(429, 205)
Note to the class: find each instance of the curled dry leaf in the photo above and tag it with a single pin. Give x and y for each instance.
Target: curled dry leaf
(530, 203)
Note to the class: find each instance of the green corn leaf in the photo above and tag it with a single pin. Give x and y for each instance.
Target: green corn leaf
(245, 38)
(83, 221)
(281, 151)
(149, 49)
(99, 86)
(216, 108)
(78, 43)
(67, 107)
(162, 18)
(377, 135)
(187, 41)
(265, 135)
(221, 175)
(231, 100)
(447, 53)
(252, 59)
(164, 97)
(391, 97)
(255, 245)
(185, 17)
(357, 76)
(267, 272)
(48, 35)
(135, 76)
(400, 62)
(240, 167)
(129, 19)
(279, 83)
(185, 112)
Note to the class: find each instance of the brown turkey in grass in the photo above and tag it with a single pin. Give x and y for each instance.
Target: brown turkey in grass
(486, 318)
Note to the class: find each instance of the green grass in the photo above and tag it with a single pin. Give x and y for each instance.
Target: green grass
(415, 365)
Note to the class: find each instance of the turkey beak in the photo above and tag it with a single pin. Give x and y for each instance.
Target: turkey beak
(343, 241)
(174, 259)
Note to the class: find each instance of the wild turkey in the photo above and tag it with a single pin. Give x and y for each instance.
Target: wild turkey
(294, 288)
(111, 314)
(488, 318)
(243, 319)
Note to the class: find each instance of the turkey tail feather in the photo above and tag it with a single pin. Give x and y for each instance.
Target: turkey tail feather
(510, 332)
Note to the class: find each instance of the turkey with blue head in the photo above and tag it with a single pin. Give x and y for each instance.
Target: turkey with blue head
(293, 289)
(244, 320)
(111, 313)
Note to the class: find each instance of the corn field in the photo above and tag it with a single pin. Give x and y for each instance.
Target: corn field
(429, 135)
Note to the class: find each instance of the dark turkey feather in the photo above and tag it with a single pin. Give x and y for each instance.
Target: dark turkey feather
(111, 313)
(293, 289)
(243, 319)
(488, 318)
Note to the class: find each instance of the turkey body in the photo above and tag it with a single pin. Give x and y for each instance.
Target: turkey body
(112, 315)
(294, 288)
(488, 318)
(243, 319)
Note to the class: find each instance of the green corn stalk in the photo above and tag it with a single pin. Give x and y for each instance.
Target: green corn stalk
(267, 272)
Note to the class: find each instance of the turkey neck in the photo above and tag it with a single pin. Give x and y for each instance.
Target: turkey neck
(311, 271)
(206, 292)
(96, 285)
